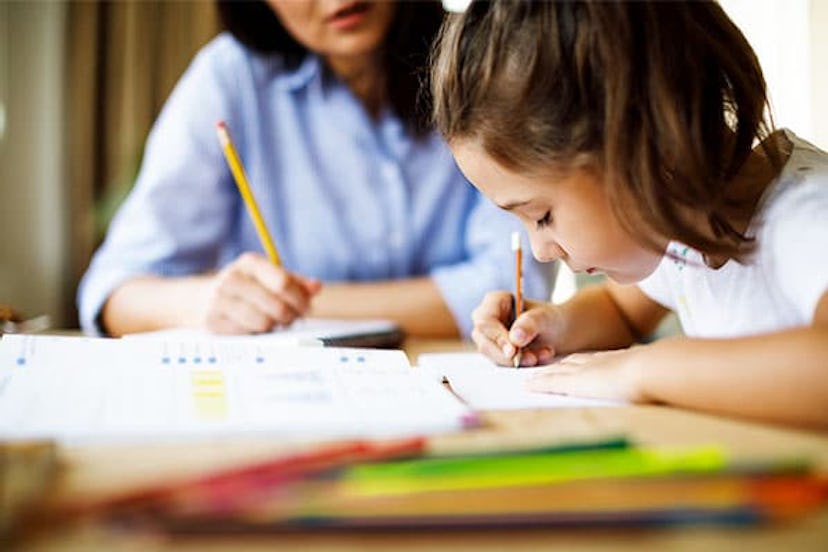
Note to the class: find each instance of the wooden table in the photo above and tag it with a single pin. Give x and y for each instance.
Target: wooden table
(99, 470)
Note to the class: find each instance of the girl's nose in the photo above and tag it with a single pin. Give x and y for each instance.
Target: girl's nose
(545, 251)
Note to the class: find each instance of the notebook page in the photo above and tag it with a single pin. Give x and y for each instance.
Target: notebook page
(303, 332)
(78, 389)
(483, 385)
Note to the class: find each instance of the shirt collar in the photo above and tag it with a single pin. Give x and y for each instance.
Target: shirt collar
(309, 70)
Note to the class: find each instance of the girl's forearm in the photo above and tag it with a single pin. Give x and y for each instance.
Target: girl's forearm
(593, 320)
(780, 377)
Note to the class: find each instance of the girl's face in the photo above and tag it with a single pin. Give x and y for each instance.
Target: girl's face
(567, 217)
(336, 28)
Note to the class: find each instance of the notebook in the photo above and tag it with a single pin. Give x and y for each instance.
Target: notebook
(330, 332)
(483, 385)
(79, 389)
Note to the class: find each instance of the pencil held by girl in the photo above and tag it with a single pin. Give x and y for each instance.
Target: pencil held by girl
(633, 139)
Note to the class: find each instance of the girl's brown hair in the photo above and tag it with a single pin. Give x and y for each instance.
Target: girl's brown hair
(664, 99)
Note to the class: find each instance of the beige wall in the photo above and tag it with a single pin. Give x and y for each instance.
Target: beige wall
(819, 70)
(31, 158)
(784, 34)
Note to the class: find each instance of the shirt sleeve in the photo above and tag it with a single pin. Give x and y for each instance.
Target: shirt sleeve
(183, 185)
(798, 239)
(490, 265)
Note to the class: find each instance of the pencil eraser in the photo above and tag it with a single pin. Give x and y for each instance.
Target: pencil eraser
(515, 241)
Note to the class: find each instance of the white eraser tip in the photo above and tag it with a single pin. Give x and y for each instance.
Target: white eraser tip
(515, 241)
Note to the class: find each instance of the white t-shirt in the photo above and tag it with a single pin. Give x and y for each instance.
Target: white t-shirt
(779, 286)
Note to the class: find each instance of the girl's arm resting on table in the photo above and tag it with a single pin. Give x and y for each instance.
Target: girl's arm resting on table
(608, 316)
(782, 376)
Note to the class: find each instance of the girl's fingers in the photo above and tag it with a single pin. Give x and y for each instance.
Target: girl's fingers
(545, 355)
(490, 333)
(529, 326)
(496, 306)
(490, 345)
(499, 342)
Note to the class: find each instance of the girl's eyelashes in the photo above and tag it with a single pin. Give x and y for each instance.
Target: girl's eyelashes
(544, 221)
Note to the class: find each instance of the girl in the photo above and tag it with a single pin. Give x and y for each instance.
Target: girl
(356, 189)
(629, 139)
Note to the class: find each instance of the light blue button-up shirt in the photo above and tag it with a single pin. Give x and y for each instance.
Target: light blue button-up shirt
(346, 197)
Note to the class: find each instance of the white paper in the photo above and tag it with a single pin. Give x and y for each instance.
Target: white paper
(483, 385)
(77, 389)
(303, 332)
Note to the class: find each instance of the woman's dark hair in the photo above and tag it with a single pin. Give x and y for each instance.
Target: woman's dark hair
(664, 99)
(407, 46)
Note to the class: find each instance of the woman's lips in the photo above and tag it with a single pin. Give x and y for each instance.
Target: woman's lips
(349, 16)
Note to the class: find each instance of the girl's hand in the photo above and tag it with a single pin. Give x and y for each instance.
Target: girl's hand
(533, 330)
(252, 295)
(604, 375)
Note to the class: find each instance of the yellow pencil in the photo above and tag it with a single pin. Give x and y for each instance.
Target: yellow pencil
(247, 194)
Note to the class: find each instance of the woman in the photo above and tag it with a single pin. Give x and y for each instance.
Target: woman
(357, 191)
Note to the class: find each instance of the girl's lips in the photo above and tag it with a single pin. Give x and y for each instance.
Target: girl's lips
(349, 16)
(591, 270)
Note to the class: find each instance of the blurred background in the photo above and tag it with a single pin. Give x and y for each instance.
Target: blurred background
(81, 83)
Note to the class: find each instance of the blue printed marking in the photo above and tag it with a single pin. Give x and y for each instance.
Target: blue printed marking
(197, 360)
(360, 359)
(165, 360)
(259, 359)
(343, 358)
(21, 361)
(182, 360)
(211, 360)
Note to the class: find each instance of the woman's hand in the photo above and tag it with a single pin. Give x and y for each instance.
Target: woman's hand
(252, 295)
(533, 330)
(604, 375)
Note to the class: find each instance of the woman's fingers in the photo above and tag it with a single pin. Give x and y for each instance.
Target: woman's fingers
(233, 315)
(252, 295)
(289, 288)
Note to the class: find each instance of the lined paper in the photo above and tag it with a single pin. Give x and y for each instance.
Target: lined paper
(74, 388)
(483, 385)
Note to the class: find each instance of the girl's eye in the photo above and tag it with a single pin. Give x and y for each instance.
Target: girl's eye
(546, 220)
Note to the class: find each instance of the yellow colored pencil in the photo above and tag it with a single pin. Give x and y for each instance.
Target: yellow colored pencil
(247, 194)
